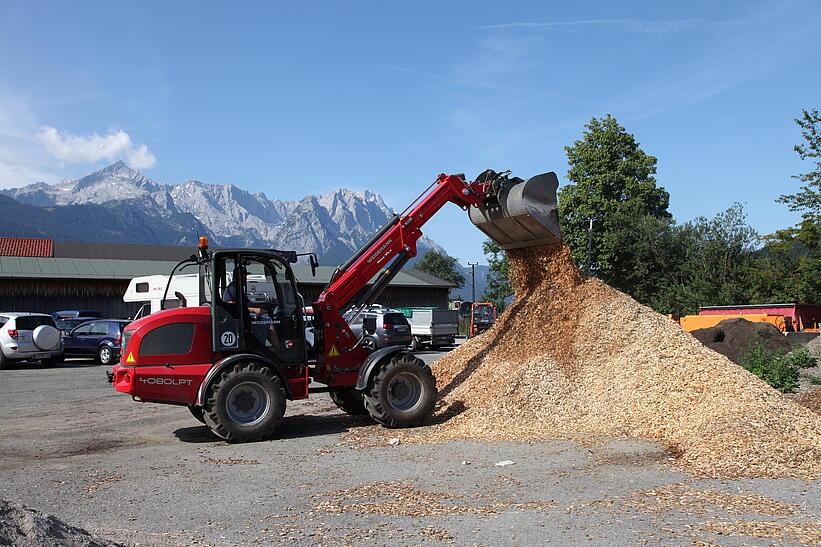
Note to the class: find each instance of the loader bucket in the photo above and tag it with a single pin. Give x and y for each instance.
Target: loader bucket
(522, 214)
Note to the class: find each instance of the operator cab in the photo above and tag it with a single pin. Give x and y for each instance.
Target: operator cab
(256, 307)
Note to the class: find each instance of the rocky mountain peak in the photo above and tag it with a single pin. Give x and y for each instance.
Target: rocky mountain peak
(333, 224)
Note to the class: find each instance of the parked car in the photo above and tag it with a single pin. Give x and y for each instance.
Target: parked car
(73, 314)
(388, 328)
(29, 337)
(99, 339)
(68, 324)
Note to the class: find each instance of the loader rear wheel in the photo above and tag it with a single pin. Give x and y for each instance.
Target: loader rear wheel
(245, 404)
(402, 393)
(349, 400)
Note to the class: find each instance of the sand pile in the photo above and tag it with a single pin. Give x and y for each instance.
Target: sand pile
(576, 356)
(734, 337)
(22, 526)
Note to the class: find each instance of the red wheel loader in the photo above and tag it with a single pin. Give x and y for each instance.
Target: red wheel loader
(238, 356)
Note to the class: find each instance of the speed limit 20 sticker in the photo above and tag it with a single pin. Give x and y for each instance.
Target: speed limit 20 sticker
(228, 339)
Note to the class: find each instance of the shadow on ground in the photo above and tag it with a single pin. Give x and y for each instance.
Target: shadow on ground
(292, 427)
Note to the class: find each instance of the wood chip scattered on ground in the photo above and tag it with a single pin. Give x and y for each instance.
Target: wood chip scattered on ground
(810, 399)
(807, 533)
(702, 502)
(400, 498)
(574, 356)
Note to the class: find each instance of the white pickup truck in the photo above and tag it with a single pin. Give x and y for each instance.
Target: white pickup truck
(432, 327)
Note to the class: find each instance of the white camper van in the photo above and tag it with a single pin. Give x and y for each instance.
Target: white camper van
(149, 290)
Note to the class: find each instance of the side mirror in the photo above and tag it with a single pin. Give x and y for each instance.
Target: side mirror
(182, 299)
(314, 264)
(369, 325)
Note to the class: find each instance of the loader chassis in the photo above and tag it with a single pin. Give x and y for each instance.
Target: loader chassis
(236, 357)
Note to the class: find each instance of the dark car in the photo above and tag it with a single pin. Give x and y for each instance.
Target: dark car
(74, 314)
(389, 328)
(99, 339)
(68, 324)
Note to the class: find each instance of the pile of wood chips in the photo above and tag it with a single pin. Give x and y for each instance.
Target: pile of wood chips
(573, 356)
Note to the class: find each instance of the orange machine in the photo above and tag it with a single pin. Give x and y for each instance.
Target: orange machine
(694, 322)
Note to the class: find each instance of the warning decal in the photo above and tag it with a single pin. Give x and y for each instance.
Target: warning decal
(130, 358)
(334, 352)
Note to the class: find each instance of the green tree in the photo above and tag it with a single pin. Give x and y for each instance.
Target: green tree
(611, 180)
(717, 260)
(498, 284)
(789, 265)
(807, 200)
(442, 266)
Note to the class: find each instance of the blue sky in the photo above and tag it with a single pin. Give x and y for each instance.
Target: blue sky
(298, 98)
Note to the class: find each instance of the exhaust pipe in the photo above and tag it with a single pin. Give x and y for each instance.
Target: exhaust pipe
(523, 214)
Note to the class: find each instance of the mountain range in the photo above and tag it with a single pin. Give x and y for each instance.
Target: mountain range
(120, 204)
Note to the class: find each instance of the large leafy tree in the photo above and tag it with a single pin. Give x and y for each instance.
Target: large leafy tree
(807, 200)
(442, 266)
(612, 181)
(789, 266)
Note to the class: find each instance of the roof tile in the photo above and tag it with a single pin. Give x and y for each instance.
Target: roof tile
(26, 246)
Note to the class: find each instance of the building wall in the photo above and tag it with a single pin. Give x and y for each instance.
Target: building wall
(106, 296)
(50, 295)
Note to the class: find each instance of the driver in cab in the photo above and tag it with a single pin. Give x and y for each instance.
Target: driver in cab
(258, 314)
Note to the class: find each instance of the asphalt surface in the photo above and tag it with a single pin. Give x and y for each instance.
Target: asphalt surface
(151, 474)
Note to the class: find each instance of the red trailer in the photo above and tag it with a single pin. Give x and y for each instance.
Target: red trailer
(803, 316)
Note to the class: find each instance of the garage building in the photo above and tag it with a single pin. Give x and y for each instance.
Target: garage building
(42, 275)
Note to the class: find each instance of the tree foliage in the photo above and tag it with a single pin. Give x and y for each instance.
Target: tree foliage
(442, 266)
(612, 181)
(498, 284)
(807, 200)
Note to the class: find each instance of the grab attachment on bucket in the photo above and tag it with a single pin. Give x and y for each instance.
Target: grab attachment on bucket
(519, 213)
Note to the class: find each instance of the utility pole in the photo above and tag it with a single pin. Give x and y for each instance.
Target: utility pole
(473, 277)
(590, 246)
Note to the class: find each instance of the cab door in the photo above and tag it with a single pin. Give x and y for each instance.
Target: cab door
(256, 307)
(275, 309)
(226, 320)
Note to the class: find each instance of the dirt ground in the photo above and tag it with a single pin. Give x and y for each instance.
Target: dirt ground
(151, 474)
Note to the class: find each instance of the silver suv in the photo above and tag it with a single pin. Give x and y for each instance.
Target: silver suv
(383, 327)
(29, 336)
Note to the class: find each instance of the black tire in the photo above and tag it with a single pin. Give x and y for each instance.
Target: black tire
(402, 393)
(51, 361)
(4, 362)
(197, 412)
(245, 384)
(105, 355)
(349, 400)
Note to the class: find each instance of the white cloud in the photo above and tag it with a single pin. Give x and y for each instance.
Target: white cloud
(93, 148)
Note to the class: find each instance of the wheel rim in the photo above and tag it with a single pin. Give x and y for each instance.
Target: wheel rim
(105, 355)
(404, 392)
(247, 403)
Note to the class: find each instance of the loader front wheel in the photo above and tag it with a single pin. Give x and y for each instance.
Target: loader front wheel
(197, 412)
(349, 400)
(402, 393)
(245, 404)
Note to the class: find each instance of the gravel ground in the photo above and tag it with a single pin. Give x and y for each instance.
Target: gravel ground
(151, 474)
